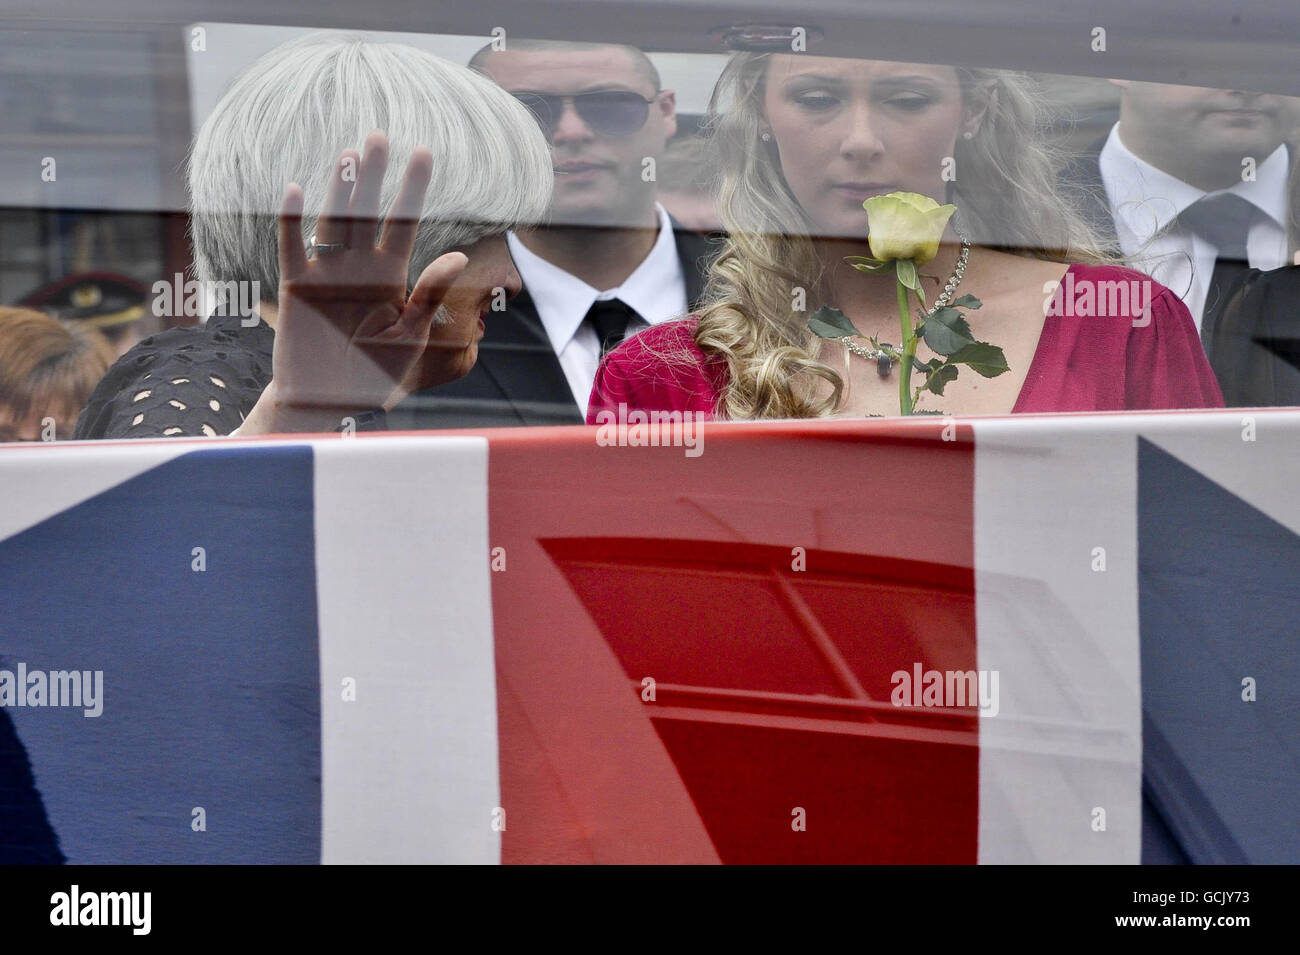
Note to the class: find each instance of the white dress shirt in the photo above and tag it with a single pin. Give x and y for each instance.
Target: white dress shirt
(656, 290)
(1144, 200)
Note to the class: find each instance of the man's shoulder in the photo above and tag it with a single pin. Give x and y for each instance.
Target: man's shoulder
(1262, 308)
(696, 250)
(692, 239)
(1285, 281)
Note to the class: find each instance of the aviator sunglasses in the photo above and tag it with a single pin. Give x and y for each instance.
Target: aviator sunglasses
(610, 113)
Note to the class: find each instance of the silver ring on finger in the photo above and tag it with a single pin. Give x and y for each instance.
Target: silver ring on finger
(325, 248)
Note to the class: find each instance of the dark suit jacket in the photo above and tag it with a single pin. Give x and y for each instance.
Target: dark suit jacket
(1256, 345)
(517, 379)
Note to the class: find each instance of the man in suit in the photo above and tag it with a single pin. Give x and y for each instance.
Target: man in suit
(1192, 186)
(610, 261)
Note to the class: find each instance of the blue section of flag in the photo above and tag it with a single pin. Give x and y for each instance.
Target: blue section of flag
(1219, 601)
(211, 678)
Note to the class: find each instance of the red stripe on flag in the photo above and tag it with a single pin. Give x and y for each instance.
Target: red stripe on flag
(772, 684)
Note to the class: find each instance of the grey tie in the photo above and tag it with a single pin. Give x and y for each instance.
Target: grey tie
(1223, 221)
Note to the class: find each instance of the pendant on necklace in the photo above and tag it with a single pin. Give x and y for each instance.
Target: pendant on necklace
(884, 365)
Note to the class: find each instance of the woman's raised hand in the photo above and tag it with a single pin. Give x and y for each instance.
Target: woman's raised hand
(347, 335)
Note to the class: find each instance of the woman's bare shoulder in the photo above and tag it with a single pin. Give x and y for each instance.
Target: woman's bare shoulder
(993, 269)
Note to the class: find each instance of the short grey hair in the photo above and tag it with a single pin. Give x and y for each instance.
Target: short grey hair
(289, 116)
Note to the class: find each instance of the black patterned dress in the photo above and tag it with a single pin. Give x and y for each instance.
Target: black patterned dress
(193, 382)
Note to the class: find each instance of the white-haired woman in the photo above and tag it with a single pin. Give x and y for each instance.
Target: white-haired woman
(373, 280)
(803, 142)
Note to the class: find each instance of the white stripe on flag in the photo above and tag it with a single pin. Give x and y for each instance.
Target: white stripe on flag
(410, 768)
(1067, 740)
(55, 476)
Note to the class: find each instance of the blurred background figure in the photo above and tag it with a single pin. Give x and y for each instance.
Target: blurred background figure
(611, 260)
(1196, 187)
(110, 303)
(686, 184)
(48, 369)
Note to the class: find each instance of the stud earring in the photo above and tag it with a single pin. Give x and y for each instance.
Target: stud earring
(968, 135)
(766, 137)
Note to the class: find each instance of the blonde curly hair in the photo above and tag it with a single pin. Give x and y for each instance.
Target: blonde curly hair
(1007, 198)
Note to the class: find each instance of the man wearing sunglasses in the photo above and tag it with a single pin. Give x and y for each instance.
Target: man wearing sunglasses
(609, 263)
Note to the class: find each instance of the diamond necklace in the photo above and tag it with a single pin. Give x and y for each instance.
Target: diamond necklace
(887, 356)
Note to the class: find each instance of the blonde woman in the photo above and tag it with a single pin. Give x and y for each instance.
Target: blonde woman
(802, 142)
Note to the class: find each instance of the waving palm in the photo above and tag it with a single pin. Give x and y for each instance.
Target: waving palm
(347, 334)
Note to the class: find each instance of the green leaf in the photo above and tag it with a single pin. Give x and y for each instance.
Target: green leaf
(939, 378)
(925, 367)
(984, 358)
(828, 322)
(946, 332)
(967, 301)
(905, 269)
(951, 318)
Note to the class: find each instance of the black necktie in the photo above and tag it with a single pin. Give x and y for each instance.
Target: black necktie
(610, 318)
(1223, 221)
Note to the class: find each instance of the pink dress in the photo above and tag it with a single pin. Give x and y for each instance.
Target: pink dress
(1139, 361)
